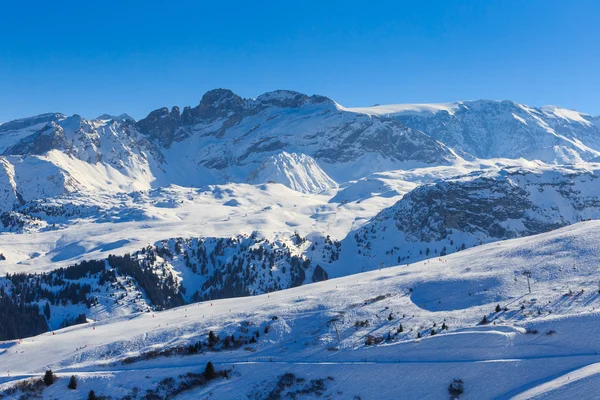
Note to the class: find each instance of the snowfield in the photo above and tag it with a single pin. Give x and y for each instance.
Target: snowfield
(538, 345)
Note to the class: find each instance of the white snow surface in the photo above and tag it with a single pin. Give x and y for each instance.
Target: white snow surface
(296, 171)
(538, 346)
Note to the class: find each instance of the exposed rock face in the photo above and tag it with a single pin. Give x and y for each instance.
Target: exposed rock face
(120, 118)
(170, 126)
(492, 129)
(248, 130)
(49, 137)
(443, 217)
(24, 123)
(161, 124)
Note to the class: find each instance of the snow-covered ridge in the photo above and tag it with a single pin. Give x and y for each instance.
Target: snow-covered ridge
(490, 129)
(391, 109)
(224, 139)
(458, 213)
(296, 171)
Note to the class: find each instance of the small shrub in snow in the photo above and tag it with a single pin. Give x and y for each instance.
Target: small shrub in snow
(456, 388)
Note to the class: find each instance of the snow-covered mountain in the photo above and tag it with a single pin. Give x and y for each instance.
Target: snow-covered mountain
(492, 129)
(456, 213)
(224, 139)
(296, 171)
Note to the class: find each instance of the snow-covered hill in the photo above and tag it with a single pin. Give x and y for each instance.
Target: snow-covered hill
(296, 171)
(408, 329)
(491, 129)
(456, 213)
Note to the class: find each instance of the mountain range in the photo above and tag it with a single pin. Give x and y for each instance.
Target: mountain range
(226, 139)
(349, 214)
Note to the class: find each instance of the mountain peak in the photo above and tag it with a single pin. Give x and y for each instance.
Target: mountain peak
(290, 98)
(217, 100)
(296, 171)
(119, 118)
(28, 122)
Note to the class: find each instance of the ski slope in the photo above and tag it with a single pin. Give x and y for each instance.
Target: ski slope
(541, 346)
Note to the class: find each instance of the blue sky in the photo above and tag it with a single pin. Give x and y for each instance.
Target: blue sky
(95, 57)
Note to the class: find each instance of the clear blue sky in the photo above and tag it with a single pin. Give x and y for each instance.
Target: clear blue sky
(91, 57)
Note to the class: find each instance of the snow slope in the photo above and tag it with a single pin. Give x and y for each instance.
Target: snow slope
(536, 346)
(296, 171)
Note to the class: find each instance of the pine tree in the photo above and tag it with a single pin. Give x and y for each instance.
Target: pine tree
(212, 339)
(209, 371)
(498, 309)
(92, 395)
(418, 335)
(48, 378)
(400, 328)
(72, 383)
(484, 320)
(47, 310)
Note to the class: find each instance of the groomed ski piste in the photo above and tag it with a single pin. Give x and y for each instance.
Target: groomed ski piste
(363, 336)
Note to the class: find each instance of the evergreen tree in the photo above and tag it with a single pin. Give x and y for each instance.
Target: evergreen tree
(498, 309)
(209, 371)
(212, 339)
(47, 310)
(72, 383)
(400, 328)
(484, 320)
(92, 395)
(48, 378)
